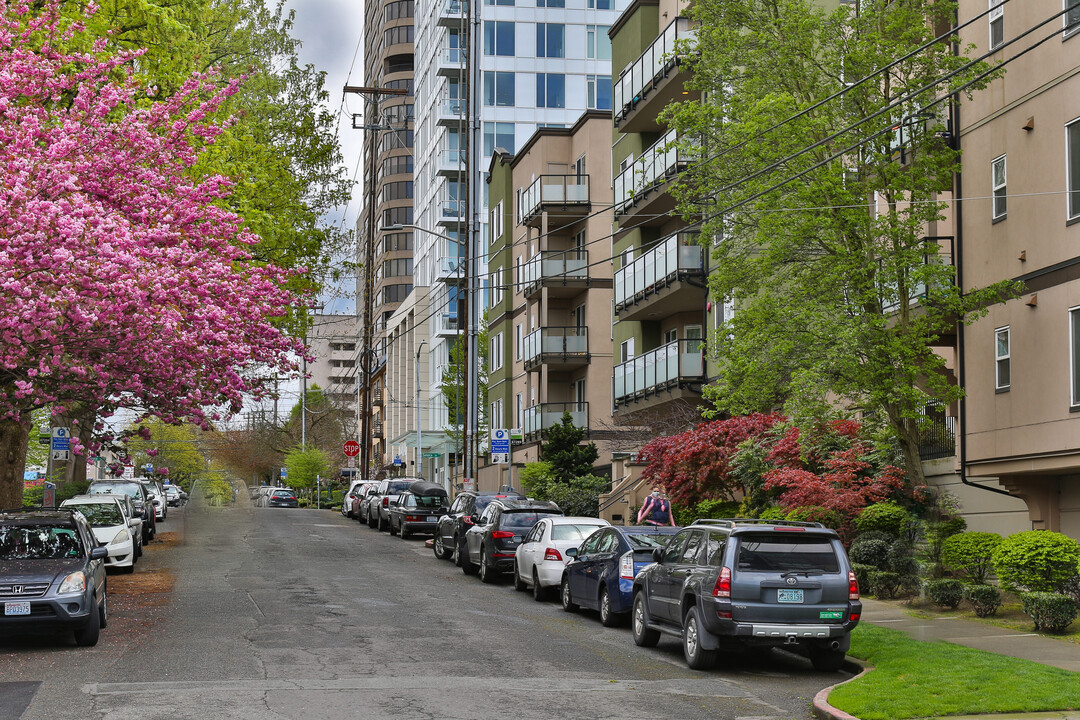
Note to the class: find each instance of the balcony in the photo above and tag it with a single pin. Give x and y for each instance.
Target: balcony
(654, 79)
(539, 418)
(446, 324)
(451, 62)
(451, 112)
(450, 163)
(451, 13)
(639, 188)
(565, 195)
(376, 397)
(450, 270)
(451, 212)
(377, 429)
(563, 348)
(565, 273)
(672, 368)
(666, 280)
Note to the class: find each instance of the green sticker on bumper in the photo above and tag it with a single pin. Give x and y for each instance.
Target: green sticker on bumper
(831, 615)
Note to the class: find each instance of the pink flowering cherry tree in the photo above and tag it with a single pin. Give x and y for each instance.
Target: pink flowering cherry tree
(123, 282)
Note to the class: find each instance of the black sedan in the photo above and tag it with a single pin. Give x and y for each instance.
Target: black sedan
(418, 509)
(282, 497)
(600, 573)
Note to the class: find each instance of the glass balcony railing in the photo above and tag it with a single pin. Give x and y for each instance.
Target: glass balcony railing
(674, 255)
(450, 268)
(555, 343)
(659, 368)
(452, 211)
(660, 162)
(635, 81)
(451, 160)
(454, 56)
(553, 190)
(446, 323)
(452, 107)
(547, 415)
(554, 265)
(452, 9)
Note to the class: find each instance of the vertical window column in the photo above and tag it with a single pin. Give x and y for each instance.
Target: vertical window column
(1003, 359)
(1001, 198)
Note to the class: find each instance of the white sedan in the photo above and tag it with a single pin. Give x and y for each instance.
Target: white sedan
(110, 528)
(541, 556)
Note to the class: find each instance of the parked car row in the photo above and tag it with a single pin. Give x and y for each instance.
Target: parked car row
(270, 496)
(714, 584)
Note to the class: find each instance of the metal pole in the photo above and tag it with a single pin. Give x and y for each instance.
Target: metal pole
(303, 403)
(419, 415)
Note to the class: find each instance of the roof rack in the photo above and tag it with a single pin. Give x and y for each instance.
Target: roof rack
(732, 522)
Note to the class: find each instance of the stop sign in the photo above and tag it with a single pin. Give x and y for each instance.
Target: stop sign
(352, 448)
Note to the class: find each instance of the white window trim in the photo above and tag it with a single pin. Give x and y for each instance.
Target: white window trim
(997, 14)
(1074, 338)
(1007, 357)
(1066, 32)
(495, 361)
(1071, 155)
(1003, 186)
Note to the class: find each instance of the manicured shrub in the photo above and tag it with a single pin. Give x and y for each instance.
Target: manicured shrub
(984, 599)
(886, 516)
(773, 513)
(945, 593)
(862, 575)
(717, 509)
(971, 554)
(1051, 612)
(888, 537)
(870, 552)
(884, 584)
(1036, 561)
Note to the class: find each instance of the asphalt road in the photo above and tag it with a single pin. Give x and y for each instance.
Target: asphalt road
(273, 613)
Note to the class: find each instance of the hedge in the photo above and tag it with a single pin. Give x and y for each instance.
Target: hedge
(971, 554)
(1051, 612)
(885, 516)
(1036, 561)
(945, 593)
(984, 599)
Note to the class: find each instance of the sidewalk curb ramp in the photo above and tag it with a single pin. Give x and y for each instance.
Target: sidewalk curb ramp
(822, 709)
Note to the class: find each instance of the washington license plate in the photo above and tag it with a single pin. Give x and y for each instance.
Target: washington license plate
(17, 608)
(789, 596)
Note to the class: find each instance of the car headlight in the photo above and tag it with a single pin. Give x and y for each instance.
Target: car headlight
(121, 537)
(73, 583)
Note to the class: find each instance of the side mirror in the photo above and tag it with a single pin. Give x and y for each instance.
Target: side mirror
(657, 554)
(99, 553)
(572, 552)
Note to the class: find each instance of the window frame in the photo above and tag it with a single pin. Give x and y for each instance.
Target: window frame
(545, 31)
(999, 192)
(1074, 358)
(544, 82)
(495, 359)
(1003, 360)
(1072, 170)
(1070, 29)
(996, 22)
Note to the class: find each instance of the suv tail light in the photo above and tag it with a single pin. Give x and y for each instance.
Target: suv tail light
(502, 534)
(386, 501)
(722, 588)
(552, 554)
(626, 566)
(852, 586)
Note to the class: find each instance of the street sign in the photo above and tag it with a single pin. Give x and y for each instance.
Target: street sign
(351, 462)
(517, 437)
(433, 455)
(284, 473)
(500, 458)
(60, 439)
(61, 455)
(48, 497)
(397, 461)
(351, 448)
(500, 441)
(129, 472)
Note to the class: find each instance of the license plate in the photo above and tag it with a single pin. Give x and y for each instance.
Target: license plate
(433, 518)
(831, 615)
(789, 596)
(17, 608)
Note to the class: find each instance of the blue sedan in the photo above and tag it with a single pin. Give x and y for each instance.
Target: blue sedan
(600, 573)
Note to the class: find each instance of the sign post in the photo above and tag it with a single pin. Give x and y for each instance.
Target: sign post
(48, 497)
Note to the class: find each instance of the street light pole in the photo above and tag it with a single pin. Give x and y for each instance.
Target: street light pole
(419, 414)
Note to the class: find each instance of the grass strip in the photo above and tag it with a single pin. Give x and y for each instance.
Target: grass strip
(914, 679)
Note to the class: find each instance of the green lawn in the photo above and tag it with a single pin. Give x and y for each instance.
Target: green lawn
(913, 679)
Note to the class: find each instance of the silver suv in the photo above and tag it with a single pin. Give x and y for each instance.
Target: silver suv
(750, 582)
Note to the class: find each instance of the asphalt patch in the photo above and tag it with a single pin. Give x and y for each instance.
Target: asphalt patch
(15, 697)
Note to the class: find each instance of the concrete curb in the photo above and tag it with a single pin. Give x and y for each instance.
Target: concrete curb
(822, 709)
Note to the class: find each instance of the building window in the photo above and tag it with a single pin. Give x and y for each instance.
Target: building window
(626, 350)
(495, 361)
(495, 222)
(498, 135)
(509, 3)
(517, 274)
(671, 335)
(600, 4)
(400, 34)
(1003, 373)
(997, 23)
(550, 90)
(519, 410)
(498, 38)
(497, 413)
(1072, 18)
(997, 173)
(498, 89)
(519, 340)
(398, 10)
(551, 3)
(550, 40)
(599, 91)
(1074, 356)
(598, 44)
(1072, 152)
(496, 287)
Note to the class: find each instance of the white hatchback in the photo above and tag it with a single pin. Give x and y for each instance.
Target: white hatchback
(541, 556)
(110, 526)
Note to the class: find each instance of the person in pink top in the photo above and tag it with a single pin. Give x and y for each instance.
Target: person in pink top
(656, 510)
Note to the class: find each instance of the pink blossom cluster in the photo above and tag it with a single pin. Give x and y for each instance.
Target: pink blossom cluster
(123, 281)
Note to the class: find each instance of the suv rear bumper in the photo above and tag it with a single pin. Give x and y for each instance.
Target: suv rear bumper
(714, 620)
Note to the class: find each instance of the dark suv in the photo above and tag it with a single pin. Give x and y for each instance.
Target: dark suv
(751, 582)
(450, 532)
(491, 543)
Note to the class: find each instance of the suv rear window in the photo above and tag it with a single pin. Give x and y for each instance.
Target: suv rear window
(523, 518)
(786, 552)
(399, 486)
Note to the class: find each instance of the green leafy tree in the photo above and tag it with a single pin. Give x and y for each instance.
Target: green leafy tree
(176, 447)
(578, 496)
(452, 386)
(304, 467)
(819, 213)
(569, 459)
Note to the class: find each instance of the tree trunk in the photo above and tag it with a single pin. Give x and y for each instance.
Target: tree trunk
(14, 441)
(84, 431)
(907, 432)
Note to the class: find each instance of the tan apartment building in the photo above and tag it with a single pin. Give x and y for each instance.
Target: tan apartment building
(550, 317)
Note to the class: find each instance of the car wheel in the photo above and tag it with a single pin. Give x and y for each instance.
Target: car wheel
(104, 609)
(467, 566)
(439, 548)
(370, 520)
(129, 569)
(403, 532)
(567, 598)
(540, 592)
(88, 635)
(488, 574)
(644, 636)
(826, 659)
(697, 657)
(390, 523)
(607, 617)
(381, 524)
(519, 584)
(459, 551)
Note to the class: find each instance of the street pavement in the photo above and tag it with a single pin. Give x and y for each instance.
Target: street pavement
(274, 613)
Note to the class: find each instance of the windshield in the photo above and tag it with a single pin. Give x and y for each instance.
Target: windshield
(430, 500)
(39, 542)
(647, 542)
(129, 489)
(524, 519)
(785, 553)
(572, 532)
(100, 514)
(398, 486)
(284, 493)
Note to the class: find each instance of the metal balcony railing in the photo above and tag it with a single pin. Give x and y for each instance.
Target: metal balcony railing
(376, 396)
(561, 190)
(554, 265)
(547, 415)
(659, 163)
(667, 365)
(635, 81)
(937, 439)
(556, 343)
(450, 268)
(674, 255)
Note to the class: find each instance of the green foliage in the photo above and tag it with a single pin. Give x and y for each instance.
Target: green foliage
(984, 599)
(453, 381)
(773, 513)
(563, 450)
(304, 466)
(1052, 612)
(936, 533)
(887, 517)
(33, 496)
(715, 509)
(884, 584)
(578, 496)
(945, 593)
(177, 447)
(862, 575)
(888, 538)
(217, 492)
(870, 552)
(813, 513)
(970, 554)
(1036, 560)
